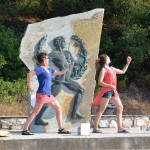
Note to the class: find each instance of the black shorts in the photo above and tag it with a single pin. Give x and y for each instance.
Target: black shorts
(108, 94)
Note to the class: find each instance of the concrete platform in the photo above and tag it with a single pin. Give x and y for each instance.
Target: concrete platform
(109, 139)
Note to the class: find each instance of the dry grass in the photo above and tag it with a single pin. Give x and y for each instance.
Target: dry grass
(135, 107)
(18, 109)
(136, 101)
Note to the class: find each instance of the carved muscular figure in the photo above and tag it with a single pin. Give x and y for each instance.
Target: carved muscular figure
(63, 59)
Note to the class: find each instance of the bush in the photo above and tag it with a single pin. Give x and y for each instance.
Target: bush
(2, 61)
(12, 92)
(9, 54)
(128, 34)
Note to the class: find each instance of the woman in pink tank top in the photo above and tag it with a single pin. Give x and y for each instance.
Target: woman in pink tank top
(108, 93)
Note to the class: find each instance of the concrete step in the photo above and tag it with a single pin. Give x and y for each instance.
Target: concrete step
(109, 139)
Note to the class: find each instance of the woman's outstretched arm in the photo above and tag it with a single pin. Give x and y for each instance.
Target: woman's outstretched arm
(119, 71)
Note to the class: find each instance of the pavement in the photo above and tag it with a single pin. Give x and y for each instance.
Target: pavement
(109, 139)
(107, 132)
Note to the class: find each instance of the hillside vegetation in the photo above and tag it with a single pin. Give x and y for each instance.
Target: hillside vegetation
(126, 31)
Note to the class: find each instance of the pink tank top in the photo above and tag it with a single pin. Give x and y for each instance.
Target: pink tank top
(110, 78)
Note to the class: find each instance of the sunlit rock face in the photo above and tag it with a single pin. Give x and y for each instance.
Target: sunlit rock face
(69, 41)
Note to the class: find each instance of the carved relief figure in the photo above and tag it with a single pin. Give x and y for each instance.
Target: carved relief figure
(75, 65)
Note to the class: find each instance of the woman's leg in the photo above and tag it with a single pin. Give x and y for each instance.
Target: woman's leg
(58, 109)
(36, 110)
(103, 106)
(117, 102)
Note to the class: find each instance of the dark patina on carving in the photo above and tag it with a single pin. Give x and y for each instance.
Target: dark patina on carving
(80, 65)
(75, 61)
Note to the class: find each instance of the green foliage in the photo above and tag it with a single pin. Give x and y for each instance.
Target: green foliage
(122, 84)
(126, 34)
(126, 31)
(9, 52)
(12, 92)
(144, 81)
(2, 61)
(55, 8)
(68, 7)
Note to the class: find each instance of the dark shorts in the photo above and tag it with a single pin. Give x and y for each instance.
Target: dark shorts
(108, 94)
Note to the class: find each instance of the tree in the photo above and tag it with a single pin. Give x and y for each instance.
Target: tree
(9, 52)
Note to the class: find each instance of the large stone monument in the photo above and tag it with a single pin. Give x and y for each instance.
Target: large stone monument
(69, 41)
